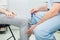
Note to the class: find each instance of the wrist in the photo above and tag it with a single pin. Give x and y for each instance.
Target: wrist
(3, 11)
(38, 9)
(36, 24)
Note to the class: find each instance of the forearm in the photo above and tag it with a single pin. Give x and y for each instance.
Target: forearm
(49, 15)
(43, 8)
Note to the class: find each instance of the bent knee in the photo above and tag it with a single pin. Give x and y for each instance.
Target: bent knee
(41, 33)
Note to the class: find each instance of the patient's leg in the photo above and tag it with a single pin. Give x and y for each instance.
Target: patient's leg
(17, 20)
(22, 22)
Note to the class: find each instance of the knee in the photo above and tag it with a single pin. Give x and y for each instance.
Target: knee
(41, 33)
(23, 22)
(36, 32)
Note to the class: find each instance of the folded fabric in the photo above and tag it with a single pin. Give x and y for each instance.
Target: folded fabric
(34, 19)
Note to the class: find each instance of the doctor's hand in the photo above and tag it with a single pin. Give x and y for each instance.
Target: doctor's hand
(34, 10)
(30, 31)
(10, 14)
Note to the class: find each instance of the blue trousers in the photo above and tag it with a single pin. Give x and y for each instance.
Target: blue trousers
(46, 30)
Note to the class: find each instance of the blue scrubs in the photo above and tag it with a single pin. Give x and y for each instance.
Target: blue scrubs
(46, 30)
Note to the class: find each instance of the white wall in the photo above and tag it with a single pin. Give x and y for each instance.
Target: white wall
(3, 4)
(22, 6)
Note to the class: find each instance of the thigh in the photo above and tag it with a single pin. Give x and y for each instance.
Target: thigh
(50, 25)
(17, 20)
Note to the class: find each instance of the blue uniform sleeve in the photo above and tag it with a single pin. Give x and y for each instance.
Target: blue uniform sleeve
(50, 3)
(56, 1)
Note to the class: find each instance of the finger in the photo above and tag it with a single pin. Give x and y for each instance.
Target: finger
(9, 15)
(27, 32)
(13, 13)
(32, 11)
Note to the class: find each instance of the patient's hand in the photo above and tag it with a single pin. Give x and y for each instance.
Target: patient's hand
(10, 14)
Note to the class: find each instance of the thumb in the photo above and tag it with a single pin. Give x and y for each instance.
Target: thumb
(14, 13)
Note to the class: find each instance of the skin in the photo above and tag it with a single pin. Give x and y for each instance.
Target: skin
(51, 13)
(35, 10)
(7, 13)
